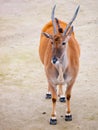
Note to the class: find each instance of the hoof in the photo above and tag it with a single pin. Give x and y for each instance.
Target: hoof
(68, 117)
(62, 99)
(53, 121)
(48, 96)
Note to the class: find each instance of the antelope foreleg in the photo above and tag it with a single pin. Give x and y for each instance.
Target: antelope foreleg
(53, 120)
(68, 116)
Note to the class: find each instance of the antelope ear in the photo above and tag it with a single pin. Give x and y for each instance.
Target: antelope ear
(47, 35)
(69, 34)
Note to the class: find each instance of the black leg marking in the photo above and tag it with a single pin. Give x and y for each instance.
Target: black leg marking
(48, 96)
(62, 99)
(68, 117)
(53, 121)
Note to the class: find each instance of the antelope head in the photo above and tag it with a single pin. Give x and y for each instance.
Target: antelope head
(60, 37)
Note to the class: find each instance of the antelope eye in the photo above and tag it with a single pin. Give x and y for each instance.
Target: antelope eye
(63, 43)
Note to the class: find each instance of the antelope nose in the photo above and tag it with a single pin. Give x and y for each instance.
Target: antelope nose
(54, 60)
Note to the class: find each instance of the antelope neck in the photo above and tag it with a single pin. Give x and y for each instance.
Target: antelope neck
(63, 60)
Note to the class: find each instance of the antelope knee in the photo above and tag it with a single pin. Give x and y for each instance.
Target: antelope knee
(53, 100)
(68, 97)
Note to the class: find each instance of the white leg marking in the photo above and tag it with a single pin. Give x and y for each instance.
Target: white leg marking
(48, 93)
(68, 114)
(53, 118)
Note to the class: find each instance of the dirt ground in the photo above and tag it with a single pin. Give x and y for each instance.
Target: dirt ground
(22, 79)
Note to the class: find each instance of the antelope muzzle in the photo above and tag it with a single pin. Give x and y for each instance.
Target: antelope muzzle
(54, 60)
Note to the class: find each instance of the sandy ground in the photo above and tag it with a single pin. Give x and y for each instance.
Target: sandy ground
(22, 79)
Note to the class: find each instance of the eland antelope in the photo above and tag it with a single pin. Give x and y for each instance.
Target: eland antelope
(59, 52)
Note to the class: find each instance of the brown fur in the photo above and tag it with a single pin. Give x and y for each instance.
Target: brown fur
(46, 52)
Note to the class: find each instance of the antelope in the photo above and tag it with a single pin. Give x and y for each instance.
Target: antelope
(59, 52)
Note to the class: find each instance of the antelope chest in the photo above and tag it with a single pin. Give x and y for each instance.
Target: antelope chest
(56, 79)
